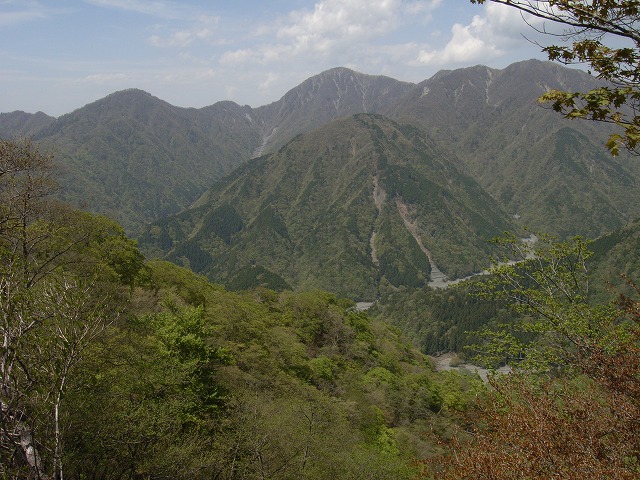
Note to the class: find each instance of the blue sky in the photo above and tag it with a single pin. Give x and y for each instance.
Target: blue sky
(58, 55)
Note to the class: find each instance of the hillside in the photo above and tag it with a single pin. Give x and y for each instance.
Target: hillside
(554, 174)
(136, 369)
(137, 158)
(332, 94)
(616, 254)
(22, 124)
(358, 202)
(121, 367)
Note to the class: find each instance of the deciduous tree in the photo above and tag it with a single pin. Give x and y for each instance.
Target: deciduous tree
(572, 409)
(53, 302)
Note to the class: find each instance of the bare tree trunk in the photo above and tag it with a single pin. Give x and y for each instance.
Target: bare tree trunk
(57, 453)
(30, 452)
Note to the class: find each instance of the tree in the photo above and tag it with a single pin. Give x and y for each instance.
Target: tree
(55, 297)
(548, 287)
(604, 35)
(572, 408)
(146, 403)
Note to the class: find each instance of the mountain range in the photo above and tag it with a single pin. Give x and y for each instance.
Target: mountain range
(552, 173)
(349, 181)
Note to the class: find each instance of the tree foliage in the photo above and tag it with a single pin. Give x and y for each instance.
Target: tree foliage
(572, 409)
(604, 35)
(197, 382)
(56, 295)
(438, 320)
(549, 287)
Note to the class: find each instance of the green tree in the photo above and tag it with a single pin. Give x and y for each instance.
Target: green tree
(572, 408)
(604, 35)
(53, 301)
(548, 287)
(145, 402)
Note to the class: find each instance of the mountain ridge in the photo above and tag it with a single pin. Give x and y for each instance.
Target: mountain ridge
(488, 119)
(331, 94)
(19, 123)
(510, 143)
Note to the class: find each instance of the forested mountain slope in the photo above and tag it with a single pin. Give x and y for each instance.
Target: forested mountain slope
(324, 97)
(616, 254)
(360, 201)
(553, 173)
(20, 123)
(137, 158)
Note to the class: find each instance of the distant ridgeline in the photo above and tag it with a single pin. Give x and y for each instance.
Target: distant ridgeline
(387, 179)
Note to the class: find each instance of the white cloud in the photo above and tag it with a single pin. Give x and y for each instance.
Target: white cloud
(177, 39)
(15, 18)
(18, 12)
(270, 80)
(334, 22)
(507, 21)
(332, 29)
(467, 44)
(189, 76)
(231, 91)
(401, 53)
(489, 35)
(424, 8)
(101, 78)
(236, 56)
(203, 29)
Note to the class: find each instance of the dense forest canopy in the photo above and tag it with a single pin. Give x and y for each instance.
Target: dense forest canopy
(115, 367)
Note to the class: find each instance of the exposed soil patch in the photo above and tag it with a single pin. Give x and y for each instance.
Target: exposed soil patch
(443, 363)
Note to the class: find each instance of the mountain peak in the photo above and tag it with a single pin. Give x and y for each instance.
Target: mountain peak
(361, 194)
(490, 117)
(19, 123)
(338, 71)
(130, 95)
(324, 97)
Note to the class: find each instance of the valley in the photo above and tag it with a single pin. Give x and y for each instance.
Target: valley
(486, 122)
(454, 158)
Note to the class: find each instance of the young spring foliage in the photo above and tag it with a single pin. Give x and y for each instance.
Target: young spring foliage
(579, 422)
(60, 272)
(196, 382)
(549, 288)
